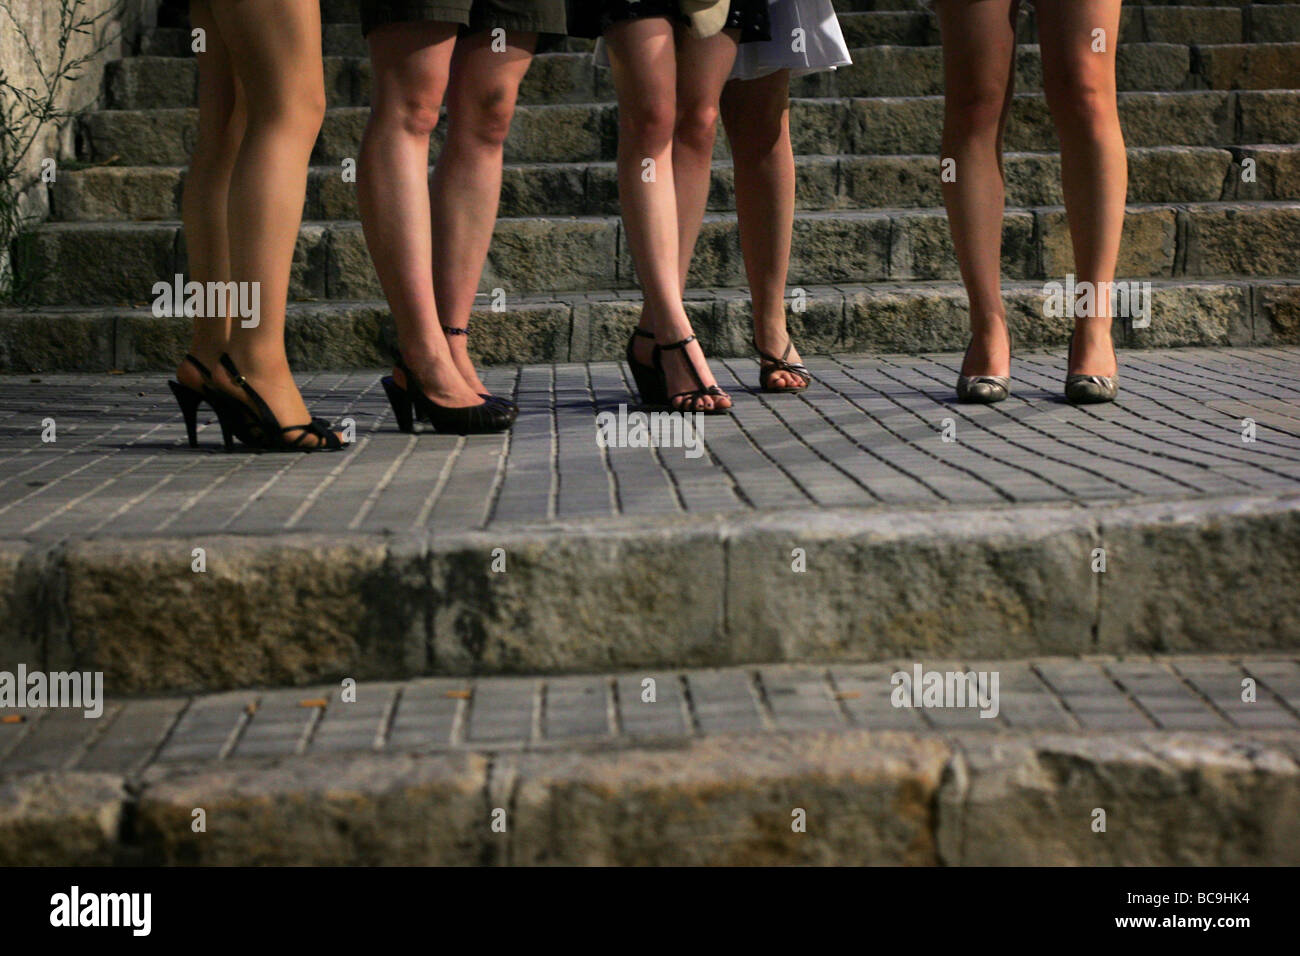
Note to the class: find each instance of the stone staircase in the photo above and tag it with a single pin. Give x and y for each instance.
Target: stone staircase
(1210, 103)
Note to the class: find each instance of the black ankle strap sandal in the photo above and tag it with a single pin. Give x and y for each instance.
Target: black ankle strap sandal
(769, 365)
(409, 403)
(691, 398)
(255, 424)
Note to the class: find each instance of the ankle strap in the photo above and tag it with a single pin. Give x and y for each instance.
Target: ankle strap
(452, 330)
(644, 333)
(678, 345)
(203, 369)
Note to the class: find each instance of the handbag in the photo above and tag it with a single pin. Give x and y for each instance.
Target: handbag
(706, 17)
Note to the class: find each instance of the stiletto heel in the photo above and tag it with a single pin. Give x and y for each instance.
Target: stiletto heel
(256, 425)
(649, 386)
(401, 402)
(488, 417)
(691, 397)
(454, 330)
(189, 401)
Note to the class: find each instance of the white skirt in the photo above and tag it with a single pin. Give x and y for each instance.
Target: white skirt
(822, 45)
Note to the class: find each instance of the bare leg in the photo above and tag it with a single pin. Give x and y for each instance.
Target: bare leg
(481, 99)
(207, 186)
(1080, 89)
(411, 65)
(756, 114)
(702, 69)
(643, 62)
(979, 45)
(275, 48)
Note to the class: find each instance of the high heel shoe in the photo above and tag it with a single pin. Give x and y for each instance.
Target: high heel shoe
(189, 400)
(692, 396)
(409, 402)
(984, 389)
(454, 330)
(769, 365)
(1089, 389)
(255, 424)
(649, 385)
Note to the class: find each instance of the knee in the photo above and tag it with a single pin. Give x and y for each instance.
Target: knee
(649, 122)
(696, 125)
(484, 119)
(1082, 100)
(974, 111)
(299, 107)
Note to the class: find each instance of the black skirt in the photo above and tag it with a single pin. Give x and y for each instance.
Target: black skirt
(591, 18)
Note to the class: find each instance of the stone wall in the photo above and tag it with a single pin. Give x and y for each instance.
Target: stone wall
(114, 36)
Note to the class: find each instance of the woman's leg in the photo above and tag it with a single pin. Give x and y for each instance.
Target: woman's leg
(643, 63)
(411, 63)
(756, 114)
(207, 186)
(702, 70)
(979, 45)
(275, 47)
(1080, 88)
(467, 181)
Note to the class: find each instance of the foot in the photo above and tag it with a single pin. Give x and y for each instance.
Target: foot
(774, 344)
(274, 382)
(1091, 350)
(439, 378)
(459, 346)
(677, 371)
(990, 349)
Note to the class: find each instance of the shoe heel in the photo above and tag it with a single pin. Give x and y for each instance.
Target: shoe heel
(650, 385)
(188, 400)
(403, 408)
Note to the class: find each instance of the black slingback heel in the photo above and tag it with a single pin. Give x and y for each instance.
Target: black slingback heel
(693, 396)
(190, 399)
(649, 385)
(410, 403)
(255, 424)
(454, 330)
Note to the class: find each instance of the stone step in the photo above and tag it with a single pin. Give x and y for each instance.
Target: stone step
(834, 526)
(712, 769)
(578, 132)
(145, 82)
(1139, 23)
(885, 316)
(531, 256)
(1167, 174)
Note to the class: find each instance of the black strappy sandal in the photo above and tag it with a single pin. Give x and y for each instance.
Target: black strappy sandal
(189, 400)
(410, 403)
(453, 330)
(769, 365)
(257, 426)
(692, 397)
(649, 385)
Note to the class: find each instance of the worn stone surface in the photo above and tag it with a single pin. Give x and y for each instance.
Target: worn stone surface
(60, 819)
(406, 810)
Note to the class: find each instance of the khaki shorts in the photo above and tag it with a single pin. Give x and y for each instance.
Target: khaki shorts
(524, 16)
